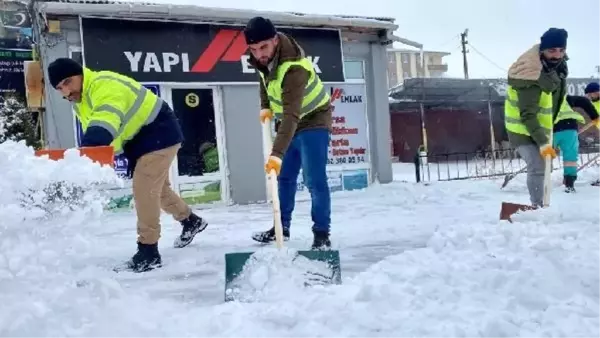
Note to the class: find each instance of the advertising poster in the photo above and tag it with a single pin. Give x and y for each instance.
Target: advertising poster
(355, 179)
(12, 79)
(341, 180)
(349, 141)
(334, 179)
(15, 31)
(16, 43)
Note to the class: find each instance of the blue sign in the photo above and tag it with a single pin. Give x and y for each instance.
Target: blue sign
(120, 161)
(356, 179)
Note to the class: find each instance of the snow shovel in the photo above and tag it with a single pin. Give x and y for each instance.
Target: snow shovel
(510, 176)
(235, 262)
(104, 155)
(508, 209)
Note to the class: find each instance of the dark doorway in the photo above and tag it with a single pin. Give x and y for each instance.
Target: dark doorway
(196, 113)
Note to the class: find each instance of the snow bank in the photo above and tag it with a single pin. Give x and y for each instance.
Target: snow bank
(36, 186)
(428, 261)
(41, 224)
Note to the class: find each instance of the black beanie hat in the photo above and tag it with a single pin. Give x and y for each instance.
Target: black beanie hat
(592, 87)
(63, 68)
(259, 29)
(554, 38)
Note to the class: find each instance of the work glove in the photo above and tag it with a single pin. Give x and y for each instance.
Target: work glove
(596, 122)
(547, 150)
(265, 114)
(274, 163)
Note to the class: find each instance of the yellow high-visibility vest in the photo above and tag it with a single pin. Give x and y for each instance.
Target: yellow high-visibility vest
(116, 103)
(315, 94)
(512, 114)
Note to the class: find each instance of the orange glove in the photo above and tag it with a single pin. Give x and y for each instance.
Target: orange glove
(274, 163)
(547, 150)
(265, 114)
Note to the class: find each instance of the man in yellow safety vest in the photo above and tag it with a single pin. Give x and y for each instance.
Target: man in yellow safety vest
(592, 92)
(537, 105)
(291, 91)
(116, 110)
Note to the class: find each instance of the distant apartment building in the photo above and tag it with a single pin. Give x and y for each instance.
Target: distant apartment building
(406, 63)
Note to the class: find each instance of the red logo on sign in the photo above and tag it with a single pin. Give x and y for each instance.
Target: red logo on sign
(228, 45)
(336, 94)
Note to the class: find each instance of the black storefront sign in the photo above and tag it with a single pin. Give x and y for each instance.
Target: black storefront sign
(151, 51)
(12, 79)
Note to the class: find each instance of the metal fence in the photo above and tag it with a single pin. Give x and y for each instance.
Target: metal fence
(482, 164)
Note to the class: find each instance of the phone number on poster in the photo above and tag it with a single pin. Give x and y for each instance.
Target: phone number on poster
(346, 160)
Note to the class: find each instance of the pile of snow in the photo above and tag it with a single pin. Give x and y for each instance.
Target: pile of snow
(35, 186)
(41, 226)
(417, 260)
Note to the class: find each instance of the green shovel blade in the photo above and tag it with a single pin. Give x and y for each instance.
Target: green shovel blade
(234, 265)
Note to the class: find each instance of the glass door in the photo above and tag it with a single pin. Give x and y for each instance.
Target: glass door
(199, 169)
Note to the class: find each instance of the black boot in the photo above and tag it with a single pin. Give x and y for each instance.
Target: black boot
(146, 258)
(596, 183)
(191, 226)
(570, 183)
(321, 240)
(269, 235)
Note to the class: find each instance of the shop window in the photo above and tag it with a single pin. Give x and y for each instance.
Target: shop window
(354, 69)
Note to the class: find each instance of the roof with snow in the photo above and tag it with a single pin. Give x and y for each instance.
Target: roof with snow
(195, 13)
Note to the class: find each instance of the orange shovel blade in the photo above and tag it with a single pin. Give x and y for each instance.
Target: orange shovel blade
(104, 155)
(509, 209)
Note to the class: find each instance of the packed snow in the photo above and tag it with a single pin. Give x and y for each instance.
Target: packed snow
(417, 260)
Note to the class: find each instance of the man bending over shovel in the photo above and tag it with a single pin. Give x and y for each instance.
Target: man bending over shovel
(116, 110)
(537, 103)
(291, 91)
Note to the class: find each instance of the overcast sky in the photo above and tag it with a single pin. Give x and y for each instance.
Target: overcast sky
(499, 31)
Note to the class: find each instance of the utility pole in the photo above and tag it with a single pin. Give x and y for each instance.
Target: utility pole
(463, 41)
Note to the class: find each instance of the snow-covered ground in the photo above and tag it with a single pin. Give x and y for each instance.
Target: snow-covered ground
(417, 260)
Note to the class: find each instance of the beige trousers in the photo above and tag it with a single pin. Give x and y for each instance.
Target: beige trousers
(152, 191)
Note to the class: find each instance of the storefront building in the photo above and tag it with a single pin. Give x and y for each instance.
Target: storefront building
(196, 59)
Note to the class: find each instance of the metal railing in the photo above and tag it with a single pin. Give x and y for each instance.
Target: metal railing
(483, 164)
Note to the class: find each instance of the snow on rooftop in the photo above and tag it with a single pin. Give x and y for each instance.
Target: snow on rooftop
(195, 10)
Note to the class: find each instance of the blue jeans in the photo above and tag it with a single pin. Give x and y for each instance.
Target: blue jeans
(307, 150)
(568, 143)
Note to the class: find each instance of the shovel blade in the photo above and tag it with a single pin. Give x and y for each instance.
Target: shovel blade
(508, 209)
(235, 262)
(104, 155)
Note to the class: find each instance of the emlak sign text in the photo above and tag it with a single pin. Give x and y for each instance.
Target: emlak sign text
(152, 51)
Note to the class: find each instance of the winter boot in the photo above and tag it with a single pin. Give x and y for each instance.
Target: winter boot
(596, 183)
(570, 183)
(269, 235)
(146, 258)
(191, 226)
(321, 240)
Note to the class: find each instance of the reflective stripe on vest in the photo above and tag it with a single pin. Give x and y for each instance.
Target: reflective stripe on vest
(315, 94)
(566, 112)
(512, 113)
(597, 106)
(116, 103)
